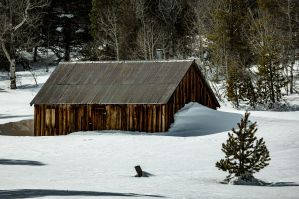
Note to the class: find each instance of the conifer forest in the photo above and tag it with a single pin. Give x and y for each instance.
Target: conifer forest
(247, 49)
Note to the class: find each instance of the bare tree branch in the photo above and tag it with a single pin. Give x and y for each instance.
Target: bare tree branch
(15, 16)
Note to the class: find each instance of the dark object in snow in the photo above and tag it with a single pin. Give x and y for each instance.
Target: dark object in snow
(138, 171)
(141, 173)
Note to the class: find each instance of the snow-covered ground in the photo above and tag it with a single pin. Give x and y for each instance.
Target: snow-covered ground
(101, 164)
(15, 103)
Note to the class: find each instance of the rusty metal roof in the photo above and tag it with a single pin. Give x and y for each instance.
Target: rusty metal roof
(150, 82)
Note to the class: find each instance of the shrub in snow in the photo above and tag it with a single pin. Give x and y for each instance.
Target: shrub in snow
(244, 153)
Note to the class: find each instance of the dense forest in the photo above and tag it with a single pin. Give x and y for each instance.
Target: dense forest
(248, 46)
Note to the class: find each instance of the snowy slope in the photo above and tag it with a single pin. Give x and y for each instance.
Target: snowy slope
(101, 164)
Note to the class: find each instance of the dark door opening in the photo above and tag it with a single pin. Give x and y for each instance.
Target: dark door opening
(100, 116)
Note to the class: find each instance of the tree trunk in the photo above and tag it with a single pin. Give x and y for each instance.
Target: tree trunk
(12, 65)
(292, 78)
(11, 56)
(117, 49)
(67, 39)
(287, 75)
(290, 45)
(115, 33)
(67, 52)
(272, 91)
(35, 54)
(13, 84)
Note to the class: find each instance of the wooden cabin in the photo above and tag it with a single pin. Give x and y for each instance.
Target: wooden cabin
(129, 96)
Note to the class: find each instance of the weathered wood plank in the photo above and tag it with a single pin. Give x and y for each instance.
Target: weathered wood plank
(154, 118)
(42, 126)
(37, 121)
(164, 118)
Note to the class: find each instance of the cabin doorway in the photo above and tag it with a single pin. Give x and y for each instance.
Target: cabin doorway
(100, 116)
(80, 118)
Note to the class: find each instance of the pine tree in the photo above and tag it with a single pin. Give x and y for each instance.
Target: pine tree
(66, 27)
(270, 80)
(230, 48)
(239, 86)
(266, 43)
(244, 153)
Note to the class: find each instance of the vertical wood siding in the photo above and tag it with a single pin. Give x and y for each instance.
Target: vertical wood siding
(190, 89)
(65, 118)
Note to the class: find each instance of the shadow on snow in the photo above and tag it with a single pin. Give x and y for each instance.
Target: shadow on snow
(20, 162)
(34, 193)
(4, 116)
(283, 184)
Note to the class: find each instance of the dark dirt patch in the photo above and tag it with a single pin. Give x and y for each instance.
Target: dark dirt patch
(21, 128)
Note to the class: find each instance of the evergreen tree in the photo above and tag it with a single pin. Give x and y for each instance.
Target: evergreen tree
(230, 48)
(270, 80)
(288, 12)
(244, 153)
(267, 44)
(66, 27)
(240, 86)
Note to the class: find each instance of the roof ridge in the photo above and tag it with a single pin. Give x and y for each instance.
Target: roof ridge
(128, 61)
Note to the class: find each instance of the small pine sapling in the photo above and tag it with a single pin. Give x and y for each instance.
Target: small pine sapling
(244, 153)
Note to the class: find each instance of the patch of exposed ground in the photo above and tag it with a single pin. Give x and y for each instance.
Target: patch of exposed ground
(21, 128)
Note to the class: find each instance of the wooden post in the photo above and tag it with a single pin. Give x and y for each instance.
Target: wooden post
(138, 171)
